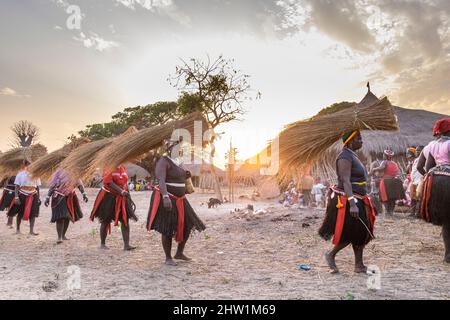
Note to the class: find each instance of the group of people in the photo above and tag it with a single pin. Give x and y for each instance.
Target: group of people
(170, 212)
(139, 185)
(351, 213)
(311, 193)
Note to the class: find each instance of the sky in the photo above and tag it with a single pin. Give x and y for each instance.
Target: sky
(65, 64)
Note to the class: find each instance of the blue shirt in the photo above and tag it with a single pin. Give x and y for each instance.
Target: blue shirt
(358, 172)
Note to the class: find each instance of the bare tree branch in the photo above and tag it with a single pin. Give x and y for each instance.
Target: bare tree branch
(25, 133)
(221, 88)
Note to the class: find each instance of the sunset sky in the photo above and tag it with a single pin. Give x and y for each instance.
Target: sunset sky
(301, 55)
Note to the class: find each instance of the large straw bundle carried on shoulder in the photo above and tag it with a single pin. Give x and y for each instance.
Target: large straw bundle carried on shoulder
(133, 147)
(79, 162)
(11, 161)
(47, 165)
(304, 142)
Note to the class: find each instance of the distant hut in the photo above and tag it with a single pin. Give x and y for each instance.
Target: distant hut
(247, 174)
(202, 176)
(136, 172)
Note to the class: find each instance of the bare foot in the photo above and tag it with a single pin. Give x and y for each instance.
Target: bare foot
(59, 241)
(182, 257)
(104, 247)
(34, 234)
(331, 263)
(361, 269)
(66, 239)
(170, 262)
(18, 232)
(129, 248)
(447, 259)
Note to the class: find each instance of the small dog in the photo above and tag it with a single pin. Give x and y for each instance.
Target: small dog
(214, 203)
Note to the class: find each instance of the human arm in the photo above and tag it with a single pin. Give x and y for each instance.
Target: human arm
(344, 172)
(421, 164)
(381, 167)
(82, 190)
(431, 163)
(161, 174)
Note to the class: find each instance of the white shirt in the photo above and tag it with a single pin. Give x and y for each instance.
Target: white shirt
(23, 179)
(426, 150)
(415, 174)
(317, 189)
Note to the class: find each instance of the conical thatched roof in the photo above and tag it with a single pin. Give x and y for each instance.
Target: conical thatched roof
(369, 100)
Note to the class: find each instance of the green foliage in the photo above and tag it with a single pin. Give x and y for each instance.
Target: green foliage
(140, 117)
(188, 103)
(335, 107)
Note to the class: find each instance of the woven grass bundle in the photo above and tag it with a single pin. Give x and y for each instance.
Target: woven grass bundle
(11, 161)
(47, 165)
(304, 142)
(79, 162)
(133, 147)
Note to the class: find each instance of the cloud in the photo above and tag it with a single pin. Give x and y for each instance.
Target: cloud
(9, 92)
(95, 41)
(342, 21)
(163, 7)
(403, 44)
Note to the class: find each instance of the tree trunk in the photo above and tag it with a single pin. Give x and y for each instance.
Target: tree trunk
(217, 189)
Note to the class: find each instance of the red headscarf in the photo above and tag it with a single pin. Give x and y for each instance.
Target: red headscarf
(442, 126)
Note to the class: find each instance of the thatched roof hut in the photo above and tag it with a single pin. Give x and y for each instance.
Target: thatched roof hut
(136, 171)
(415, 129)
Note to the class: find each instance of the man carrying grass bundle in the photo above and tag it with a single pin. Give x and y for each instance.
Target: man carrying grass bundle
(64, 202)
(350, 216)
(114, 203)
(170, 212)
(26, 198)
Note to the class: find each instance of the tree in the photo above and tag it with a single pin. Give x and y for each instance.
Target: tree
(25, 133)
(216, 88)
(140, 117)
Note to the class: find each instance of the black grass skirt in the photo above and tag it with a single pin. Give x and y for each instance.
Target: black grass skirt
(166, 223)
(436, 197)
(106, 211)
(6, 200)
(354, 231)
(394, 189)
(60, 209)
(20, 210)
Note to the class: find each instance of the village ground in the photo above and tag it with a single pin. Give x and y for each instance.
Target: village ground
(240, 256)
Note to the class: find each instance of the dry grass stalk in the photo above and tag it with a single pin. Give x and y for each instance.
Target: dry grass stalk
(47, 165)
(11, 161)
(304, 142)
(133, 147)
(78, 162)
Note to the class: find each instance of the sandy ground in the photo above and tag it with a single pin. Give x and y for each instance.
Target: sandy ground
(239, 256)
